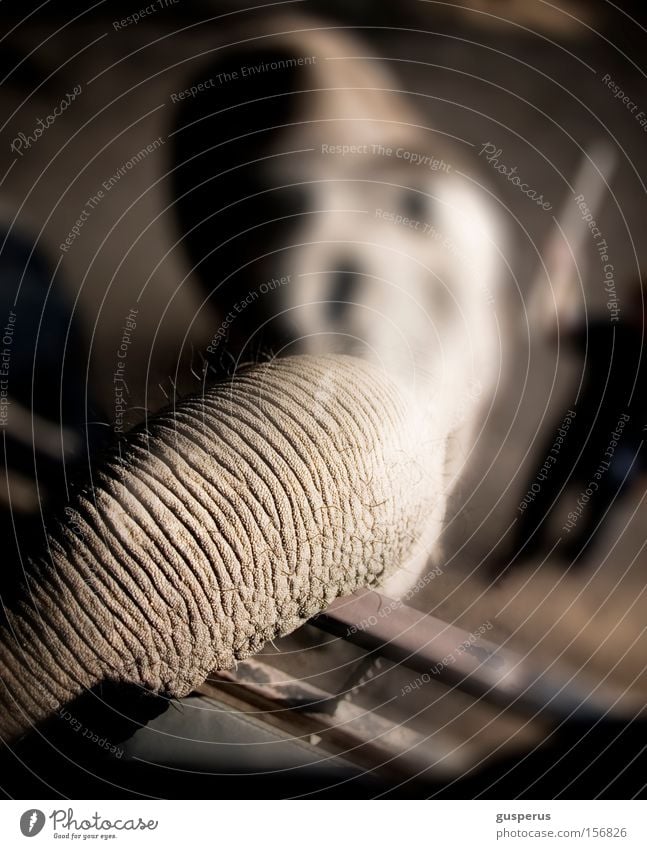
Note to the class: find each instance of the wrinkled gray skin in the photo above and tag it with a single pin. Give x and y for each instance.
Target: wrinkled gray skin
(228, 521)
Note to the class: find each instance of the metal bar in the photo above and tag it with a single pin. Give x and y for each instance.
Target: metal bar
(358, 734)
(450, 654)
(565, 251)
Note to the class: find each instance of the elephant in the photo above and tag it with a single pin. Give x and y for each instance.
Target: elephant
(217, 525)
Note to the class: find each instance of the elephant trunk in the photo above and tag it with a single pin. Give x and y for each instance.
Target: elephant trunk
(222, 524)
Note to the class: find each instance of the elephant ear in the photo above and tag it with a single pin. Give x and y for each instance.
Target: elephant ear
(233, 208)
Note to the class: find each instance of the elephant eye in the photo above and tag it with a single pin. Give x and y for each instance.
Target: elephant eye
(414, 204)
